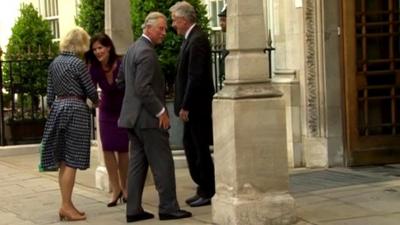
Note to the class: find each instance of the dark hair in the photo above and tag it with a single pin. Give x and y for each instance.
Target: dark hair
(106, 41)
(223, 12)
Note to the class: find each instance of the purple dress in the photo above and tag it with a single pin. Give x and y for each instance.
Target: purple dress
(112, 137)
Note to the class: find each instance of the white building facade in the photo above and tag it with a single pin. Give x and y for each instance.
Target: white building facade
(60, 13)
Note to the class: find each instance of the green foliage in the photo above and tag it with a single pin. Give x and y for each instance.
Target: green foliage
(169, 50)
(29, 51)
(31, 40)
(91, 16)
(30, 32)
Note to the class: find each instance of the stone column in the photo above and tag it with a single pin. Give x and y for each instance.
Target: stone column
(249, 130)
(315, 142)
(285, 20)
(101, 175)
(118, 24)
(323, 131)
(118, 27)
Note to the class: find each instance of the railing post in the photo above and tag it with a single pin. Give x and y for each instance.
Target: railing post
(1, 100)
(269, 49)
(219, 53)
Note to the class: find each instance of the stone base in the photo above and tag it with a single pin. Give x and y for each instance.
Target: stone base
(179, 159)
(315, 152)
(275, 208)
(101, 177)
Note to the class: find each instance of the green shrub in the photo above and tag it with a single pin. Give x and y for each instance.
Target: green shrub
(169, 50)
(29, 51)
(91, 16)
(31, 35)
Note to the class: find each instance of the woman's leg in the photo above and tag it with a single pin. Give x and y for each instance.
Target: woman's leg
(112, 170)
(66, 180)
(123, 160)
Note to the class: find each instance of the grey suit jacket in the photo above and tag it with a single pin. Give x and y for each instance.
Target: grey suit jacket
(140, 74)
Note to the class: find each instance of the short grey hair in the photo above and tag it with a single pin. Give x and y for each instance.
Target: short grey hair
(151, 19)
(185, 10)
(77, 40)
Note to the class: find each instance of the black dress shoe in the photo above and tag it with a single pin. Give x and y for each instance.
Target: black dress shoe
(200, 202)
(192, 199)
(180, 214)
(141, 216)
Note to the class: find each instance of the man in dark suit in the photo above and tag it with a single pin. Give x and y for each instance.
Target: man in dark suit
(144, 114)
(222, 19)
(194, 91)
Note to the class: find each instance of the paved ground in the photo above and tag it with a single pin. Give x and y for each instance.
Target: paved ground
(339, 196)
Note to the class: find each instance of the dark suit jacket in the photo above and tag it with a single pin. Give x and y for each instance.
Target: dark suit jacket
(144, 83)
(194, 86)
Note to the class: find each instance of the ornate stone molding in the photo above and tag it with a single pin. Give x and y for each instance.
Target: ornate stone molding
(243, 90)
(311, 68)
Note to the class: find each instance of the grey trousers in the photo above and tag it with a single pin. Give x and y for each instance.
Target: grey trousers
(150, 147)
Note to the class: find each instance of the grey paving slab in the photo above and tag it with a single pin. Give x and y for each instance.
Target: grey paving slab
(369, 220)
(380, 201)
(330, 210)
(327, 179)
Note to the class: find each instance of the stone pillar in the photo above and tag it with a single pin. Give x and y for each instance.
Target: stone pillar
(101, 175)
(323, 135)
(118, 24)
(118, 27)
(249, 130)
(285, 20)
(315, 142)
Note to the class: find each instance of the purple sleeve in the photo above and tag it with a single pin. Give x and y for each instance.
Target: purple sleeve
(94, 75)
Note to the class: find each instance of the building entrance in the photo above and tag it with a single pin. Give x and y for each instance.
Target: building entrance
(371, 68)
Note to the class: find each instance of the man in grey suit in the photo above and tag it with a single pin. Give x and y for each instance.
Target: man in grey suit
(145, 115)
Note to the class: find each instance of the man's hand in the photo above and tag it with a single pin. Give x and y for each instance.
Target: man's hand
(164, 120)
(184, 115)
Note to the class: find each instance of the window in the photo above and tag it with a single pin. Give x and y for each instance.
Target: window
(51, 14)
(214, 8)
(51, 8)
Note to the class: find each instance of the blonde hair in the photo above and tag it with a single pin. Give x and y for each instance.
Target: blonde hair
(185, 10)
(76, 40)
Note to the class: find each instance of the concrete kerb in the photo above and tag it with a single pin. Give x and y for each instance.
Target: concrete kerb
(11, 150)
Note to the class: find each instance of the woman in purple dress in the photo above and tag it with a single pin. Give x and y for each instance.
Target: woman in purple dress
(103, 66)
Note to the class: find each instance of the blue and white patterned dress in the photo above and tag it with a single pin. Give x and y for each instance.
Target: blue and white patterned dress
(66, 135)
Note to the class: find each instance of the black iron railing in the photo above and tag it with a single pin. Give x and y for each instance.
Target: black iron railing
(268, 50)
(219, 54)
(23, 108)
(22, 97)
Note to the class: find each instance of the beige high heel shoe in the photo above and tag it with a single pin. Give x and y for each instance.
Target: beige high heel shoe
(79, 212)
(68, 216)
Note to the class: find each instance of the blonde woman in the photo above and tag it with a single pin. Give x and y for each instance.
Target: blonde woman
(66, 138)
